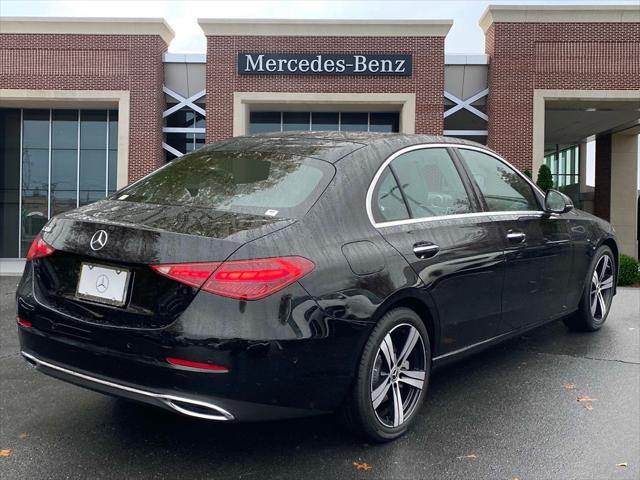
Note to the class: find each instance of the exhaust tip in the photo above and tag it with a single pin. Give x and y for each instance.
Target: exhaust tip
(197, 408)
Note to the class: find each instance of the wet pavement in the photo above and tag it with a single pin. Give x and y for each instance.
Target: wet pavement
(509, 412)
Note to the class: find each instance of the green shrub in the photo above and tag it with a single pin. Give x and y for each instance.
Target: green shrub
(527, 172)
(629, 272)
(545, 178)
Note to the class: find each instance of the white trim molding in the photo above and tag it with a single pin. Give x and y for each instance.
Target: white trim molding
(466, 104)
(80, 99)
(182, 102)
(324, 28)
(558, 14)
(405, 103)
(88, 26)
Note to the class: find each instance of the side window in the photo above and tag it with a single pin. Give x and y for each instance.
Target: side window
(503, 189)
(388, 204)
(430, 183)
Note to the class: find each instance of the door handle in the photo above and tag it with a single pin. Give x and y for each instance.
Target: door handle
(516, 237)
(425, 250)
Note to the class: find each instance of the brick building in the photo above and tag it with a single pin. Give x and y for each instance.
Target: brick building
(89, 105)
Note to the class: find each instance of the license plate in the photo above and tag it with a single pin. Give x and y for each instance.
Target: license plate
(103, 284)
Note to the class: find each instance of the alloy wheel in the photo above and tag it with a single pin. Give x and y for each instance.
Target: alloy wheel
(399, 375)
(601, 288)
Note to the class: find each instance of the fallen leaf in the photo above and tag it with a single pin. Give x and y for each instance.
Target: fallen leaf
(471, 455)
(569, 386)
(584, 398)
(623, 464)
(362, 466)
(23, 435)
(5, 453)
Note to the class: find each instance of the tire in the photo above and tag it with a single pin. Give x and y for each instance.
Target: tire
(595, 302)
(389, 420)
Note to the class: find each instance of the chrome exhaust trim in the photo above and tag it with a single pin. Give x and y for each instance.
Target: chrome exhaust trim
(177, 403)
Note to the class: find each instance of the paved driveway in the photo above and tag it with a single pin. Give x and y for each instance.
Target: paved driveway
(510, 412)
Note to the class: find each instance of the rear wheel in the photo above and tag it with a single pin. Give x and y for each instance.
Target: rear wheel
(597, 295)
(392, 377)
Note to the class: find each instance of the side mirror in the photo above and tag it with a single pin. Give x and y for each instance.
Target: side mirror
(557, 202)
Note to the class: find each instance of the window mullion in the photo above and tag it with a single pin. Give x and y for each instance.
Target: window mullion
(20, 186)
(78, 165)
(49, 172)
(106, 160)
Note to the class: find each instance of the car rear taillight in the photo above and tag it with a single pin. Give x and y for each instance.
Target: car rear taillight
(24, 322)
(194, 274)
(241, 279)
(39, 249)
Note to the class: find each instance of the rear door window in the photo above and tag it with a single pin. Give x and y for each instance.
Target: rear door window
(262, 183)
(502, 187)
(431, 184)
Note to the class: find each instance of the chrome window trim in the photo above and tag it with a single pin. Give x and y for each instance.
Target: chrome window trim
(422, 146)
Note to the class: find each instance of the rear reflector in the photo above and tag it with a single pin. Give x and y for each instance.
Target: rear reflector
(39, 249)
(241, 279)
(23, 322)
(199, 365)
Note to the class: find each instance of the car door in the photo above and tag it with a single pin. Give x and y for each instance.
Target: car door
(537, 246)
(424, 206)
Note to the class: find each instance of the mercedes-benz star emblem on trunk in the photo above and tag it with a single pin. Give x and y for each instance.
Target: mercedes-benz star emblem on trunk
(98, 240)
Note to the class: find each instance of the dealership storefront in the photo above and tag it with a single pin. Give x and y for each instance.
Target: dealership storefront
(89, 105)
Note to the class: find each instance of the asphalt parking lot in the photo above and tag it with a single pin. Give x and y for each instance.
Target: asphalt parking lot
(510, 412)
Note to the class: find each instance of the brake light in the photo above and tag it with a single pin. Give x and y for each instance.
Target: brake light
(39, 249)
(241, 279)
(200, 365)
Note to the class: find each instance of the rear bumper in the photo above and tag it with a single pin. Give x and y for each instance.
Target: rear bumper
(185, 405)
(176, 400)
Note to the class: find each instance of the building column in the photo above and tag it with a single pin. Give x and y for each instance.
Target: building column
(624, 191)
(602, 194)
(582, 167)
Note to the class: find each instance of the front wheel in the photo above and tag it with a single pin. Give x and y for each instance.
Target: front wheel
(392, 377)
(597, 295)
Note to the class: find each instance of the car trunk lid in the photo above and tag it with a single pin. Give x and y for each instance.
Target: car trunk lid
(137, 235)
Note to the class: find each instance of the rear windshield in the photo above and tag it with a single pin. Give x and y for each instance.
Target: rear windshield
(261, 183)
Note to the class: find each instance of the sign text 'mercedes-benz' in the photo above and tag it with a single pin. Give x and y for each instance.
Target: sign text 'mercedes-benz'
(323, 64)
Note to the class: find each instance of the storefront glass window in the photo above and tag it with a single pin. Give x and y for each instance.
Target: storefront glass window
(184, 132)
(565, 166)
(325, 121)
(295, 121)
(265, 122)
(40, 152)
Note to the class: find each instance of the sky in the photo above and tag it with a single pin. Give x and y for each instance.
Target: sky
(465, 36)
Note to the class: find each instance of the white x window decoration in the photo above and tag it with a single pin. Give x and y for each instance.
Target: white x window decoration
(183, 102)
(172, 150)
(466, 104)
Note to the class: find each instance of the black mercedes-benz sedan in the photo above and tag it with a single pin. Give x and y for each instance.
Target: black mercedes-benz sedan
(283, 275)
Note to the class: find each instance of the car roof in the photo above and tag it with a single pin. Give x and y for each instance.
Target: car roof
(330, 146)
